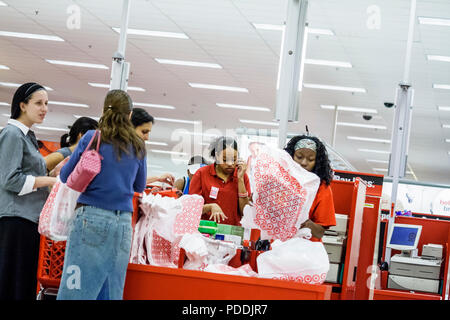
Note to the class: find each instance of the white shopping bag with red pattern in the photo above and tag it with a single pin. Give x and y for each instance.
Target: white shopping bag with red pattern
(297, 259)
(58, 212)
(283, 193)
(164, 222)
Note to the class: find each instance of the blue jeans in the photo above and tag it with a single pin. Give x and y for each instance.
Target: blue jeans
(97, 255)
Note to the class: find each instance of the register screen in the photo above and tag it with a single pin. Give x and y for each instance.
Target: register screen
(404, 236)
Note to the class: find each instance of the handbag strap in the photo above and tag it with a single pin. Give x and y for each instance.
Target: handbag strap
(92, 139)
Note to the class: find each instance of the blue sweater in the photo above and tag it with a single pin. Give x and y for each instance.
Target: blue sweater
(113, 188)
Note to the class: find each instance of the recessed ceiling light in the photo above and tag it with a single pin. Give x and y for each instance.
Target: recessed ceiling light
(30, 36)
(152, 105)
(443, 108)
(177, 120)
(51, 128)
(216, 87)
(69, 104)
(447, 140)
(77, 64)
(3, 67)
(189, 63)
(241, 107)
(438, 58)
(155, 143)
(265, 123)
(368, 139)
(280, 27)
(360, 125)
(350, 109)
(337, 88)
(104, 85)
(441, 86)
(341, 64)
(79, 116)
(151, 33)
(169, 152)
(16, 85)
(374, 151)
(378, 161)
(434, 21)
(446, 126)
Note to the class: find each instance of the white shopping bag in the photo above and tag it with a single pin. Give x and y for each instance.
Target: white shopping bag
(158, 232)
(283, 193)
(296, 259)
(57, 215)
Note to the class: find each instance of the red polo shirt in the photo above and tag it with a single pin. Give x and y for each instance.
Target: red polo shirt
(227, 196)
(322, 209)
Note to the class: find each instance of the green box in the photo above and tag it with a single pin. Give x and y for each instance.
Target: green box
(224, 228)
(237, 231)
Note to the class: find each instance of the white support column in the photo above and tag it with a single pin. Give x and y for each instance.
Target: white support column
(121, 69)
(401, 125)
(289, 69)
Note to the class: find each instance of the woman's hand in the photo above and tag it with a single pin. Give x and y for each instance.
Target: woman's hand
(55, 172)
(241, 168)
(167, 178)
(217, 213)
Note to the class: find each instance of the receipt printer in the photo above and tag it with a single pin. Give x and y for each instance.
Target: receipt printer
(341, 224)
(334, 247)
(432, 251)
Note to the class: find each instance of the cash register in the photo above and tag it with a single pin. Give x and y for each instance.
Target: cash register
(407, 270)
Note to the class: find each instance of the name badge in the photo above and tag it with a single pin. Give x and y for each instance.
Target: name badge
(214, 192)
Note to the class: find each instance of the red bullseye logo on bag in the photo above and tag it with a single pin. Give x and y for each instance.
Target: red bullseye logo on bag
(280, 201)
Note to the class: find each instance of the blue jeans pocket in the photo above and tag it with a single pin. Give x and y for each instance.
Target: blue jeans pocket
(95, 231)
(125, 243)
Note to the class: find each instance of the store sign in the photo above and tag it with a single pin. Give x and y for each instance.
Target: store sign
(441, 204)
(374, 182)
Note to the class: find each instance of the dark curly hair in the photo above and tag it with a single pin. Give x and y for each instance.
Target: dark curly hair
(322, 167)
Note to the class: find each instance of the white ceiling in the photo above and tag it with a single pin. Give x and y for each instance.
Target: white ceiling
(221, 31)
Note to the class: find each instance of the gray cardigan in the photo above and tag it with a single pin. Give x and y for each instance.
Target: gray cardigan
(19, 158)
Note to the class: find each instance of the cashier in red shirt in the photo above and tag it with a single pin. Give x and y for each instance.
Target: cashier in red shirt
(224, 185)
(311, 154)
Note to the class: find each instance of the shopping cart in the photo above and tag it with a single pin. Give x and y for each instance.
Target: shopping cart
(51, 253)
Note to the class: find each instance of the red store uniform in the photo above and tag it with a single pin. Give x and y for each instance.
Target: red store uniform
(213, 189)
(322, 210)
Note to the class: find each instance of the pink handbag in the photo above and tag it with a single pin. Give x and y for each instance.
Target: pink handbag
(87, 168)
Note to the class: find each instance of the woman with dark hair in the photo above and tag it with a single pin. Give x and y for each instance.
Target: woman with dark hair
(143, 123)
(23, 192)
(224, 185)
(70, 140)
(98, 246)
(311, 154)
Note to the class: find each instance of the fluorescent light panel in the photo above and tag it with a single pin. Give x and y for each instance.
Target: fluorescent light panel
(77, 64)
(280, 27)
(51, 128)
(341, 64)
(3, 67)
(69, 104)
(360, 125)
(265, 123)
(4, 104)
(374, 151)
(151, 33)
(2, 4)
(337, 88)
(104, 85)
(447, 140)
(443, 108)
(152, 105)
(30, 36)
(368, 139)
(350, 109)
(438, 58)
(216, 87)
(378, 161)
(434, 21)
(441, 86)
(241, 107)
(16, 85)
(169, 152)
(176, 120)
(189, 63)
(155, 143)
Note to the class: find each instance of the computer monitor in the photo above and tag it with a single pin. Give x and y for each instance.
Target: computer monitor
(404, 237)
